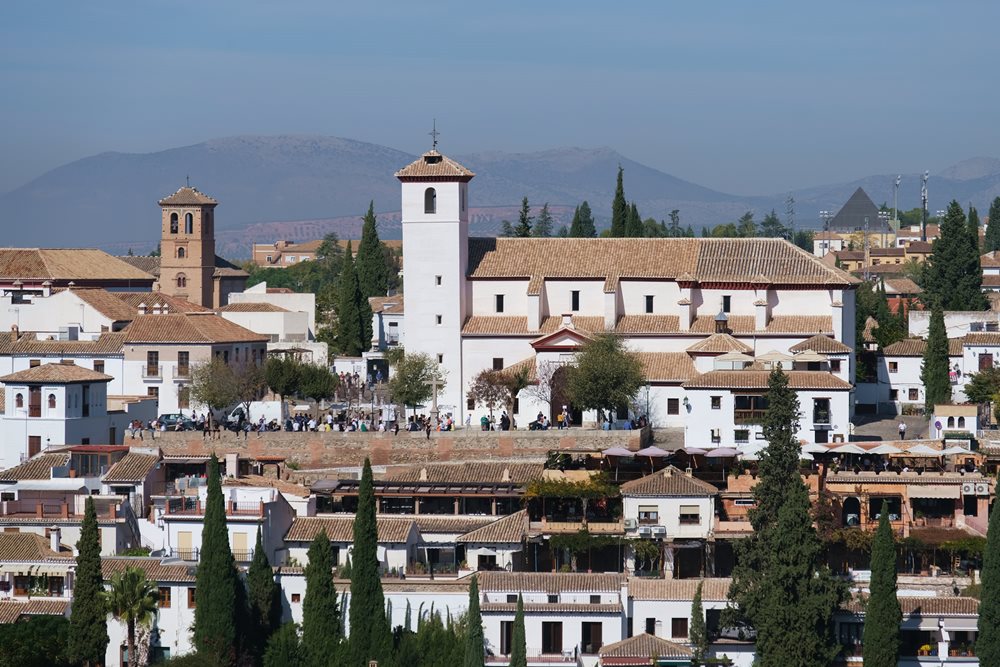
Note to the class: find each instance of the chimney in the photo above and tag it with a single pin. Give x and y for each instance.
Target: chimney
(47, 288)
(71, 285)
(232, 465)
(14, 333)
(423, 474)
(165, 309)
(688, 471)
(567, 320)
(55, 538)
(505, 477)
(760, 312)
(142, 308)
(156, 308)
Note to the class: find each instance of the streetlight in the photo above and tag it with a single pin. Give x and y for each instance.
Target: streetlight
(883, 217)
(825, 216)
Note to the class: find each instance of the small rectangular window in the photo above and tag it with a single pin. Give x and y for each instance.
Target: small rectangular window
(99, 366)
(716, 402)
(651, 626)
(437, 280)
(673, 406)
(574, 300)
(499, 303)
(553, 599)
(678, 628)
(690, 515)
(893, 394)
(511, 599)
(893, 367)
(914, 394)
(498, 363)
(595, 599)
(835, 365)
(440, 358)
(438, 319)
(296, 597)
(164, 600)
(34, 363)
(726, 303)
(649, 303)
(470, 404)
(191, 597)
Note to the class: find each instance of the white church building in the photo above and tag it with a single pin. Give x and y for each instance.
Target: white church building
(691, 307)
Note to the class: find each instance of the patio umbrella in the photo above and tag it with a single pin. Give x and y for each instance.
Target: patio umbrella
(848, 449)
(722, 453)
(813, 448)
(923, 450)
(694, 451)
(618, 451)
(955, 451)
(884, 449)
(749, 456)
(652, 451)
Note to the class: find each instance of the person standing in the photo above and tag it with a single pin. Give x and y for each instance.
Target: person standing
(902, 430)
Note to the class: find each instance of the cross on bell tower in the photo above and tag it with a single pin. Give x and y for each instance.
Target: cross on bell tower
(434, 135)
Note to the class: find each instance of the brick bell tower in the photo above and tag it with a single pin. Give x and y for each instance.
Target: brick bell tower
(187, 246)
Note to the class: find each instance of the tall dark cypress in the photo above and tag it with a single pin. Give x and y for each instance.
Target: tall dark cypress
(633, 222)
(882, 614)
(263, 599)
(934, 370)
(619, 208)
(320, 618)
(583, 222)
(518, 642)
(988, 642)
(373, 274)
(369, 637)
(992, 240)
(474, 653)
(953, 275)
(350, 325)
(698, 635)
(88, 629)
(216, 580)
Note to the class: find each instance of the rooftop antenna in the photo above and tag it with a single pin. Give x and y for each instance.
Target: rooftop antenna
(188, 179)
(434, 135)
(923, 205)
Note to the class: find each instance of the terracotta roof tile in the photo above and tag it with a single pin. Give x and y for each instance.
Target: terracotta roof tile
(106, 303)
(646, 324)
(496, 325)
(926, 606)
(28, 546)
(916, 247)
(3, 400)
(155, 569)
(433, 165)
(747, 324)
(902, 286)
(451, 524)
(174, 304)
(390, 305)
(552, 608)
(990, 260)
(206, 328)
(252, 307)
(341, 529)
(107, 344)
(581, 323)
(150, 265)
(641, 647)
(667, 366)
(757, 379)
(133, 467)
(530, 364)
(914, 347)
(38, 467)
(12, 611)
(719, 343)
(549, 582)
(65, 264)
(668, 482)
(980, 338)
(822, 344)
(473, 472)
(187, 196)
(56, 374)
(991, 280)
(509, 530)
(644, 588)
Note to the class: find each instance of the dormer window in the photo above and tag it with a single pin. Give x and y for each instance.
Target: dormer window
(430, 200)
(173, 223)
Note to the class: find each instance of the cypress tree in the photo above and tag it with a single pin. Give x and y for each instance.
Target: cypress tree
(699, 633)
(934, 369)
(264, 599)
(988, 642)
(975, 259)
(350, 326)
(370, 637)
(519, 643)
(633, 222)
(543, 223)
(992, 240)
(474, 655)
(781, 583)
(373, 274)
(882, 615)
(524, 219)
(954, 276)
(320, 619)
(583, 222)
(216, 580)
(619, 208)
(284, 648)
(88, 629)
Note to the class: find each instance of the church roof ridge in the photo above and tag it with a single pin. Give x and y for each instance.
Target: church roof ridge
(436, 166)
(188, 196)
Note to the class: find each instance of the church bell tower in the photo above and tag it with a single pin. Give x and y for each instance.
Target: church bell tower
(187, 246)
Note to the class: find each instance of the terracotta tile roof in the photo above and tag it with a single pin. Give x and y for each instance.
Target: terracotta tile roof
(668, 482)
(719, 343)
(552, 608)
(187, 196)
(921, 606)
(919, 247)
(150, 265)
(822, 344)
(28, 546)
(451, 524)
(65, 264)
(902, 286)
(530, 364)
(496, 325)
(3, 400)
(991, 280)
(645, 324)
(173, 303)
(747, 324)
(206, 328)
(473, 472)
(12, 611)
(508, 530)
(667, 366)
(641, 647)
(224, 268)
(582, 323)
(252, 307)
(915, 347)
(286, 488)
(435, 166)
(757, 379)
(644, 588)
(980, 338)
(155, 569)
(886, 252)
(882, 269)
(704, 260)
(390, 305)
(38, 467)
(990, 260)
(133, 467)
(868, 335)
(56, 374)
(107, 344)
(341, 529)
(549, 582)
(106, 303)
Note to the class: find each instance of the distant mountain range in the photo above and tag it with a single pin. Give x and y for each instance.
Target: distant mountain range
(302, 187)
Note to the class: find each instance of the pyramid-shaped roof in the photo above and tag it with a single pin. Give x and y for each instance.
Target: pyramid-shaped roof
(851, 215)
(434, 166)
(188, 196)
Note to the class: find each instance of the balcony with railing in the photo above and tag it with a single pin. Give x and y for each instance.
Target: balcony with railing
(535, 657)
(59, 508)
(748, 416)
(152, 371)
(182, 373)
(181, 506)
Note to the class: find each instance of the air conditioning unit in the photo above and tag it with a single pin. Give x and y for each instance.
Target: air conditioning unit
(645, 531)
(968, 488)
(983, 489)
(659, 531)
(631, 524)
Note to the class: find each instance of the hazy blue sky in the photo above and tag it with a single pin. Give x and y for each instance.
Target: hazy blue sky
(746, 97)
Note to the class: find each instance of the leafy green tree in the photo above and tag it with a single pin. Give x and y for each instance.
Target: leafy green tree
(772, 227)
(132, 599)
(524, 220)
(582, 225)
(88, 630)
(882, 614)
(506, 229)
(605, 374)
(317, 382)
(474, 642)
(491, 389)
(263, 598)
(411, 377)
(216, 580)
(563, 232)
(373, 273)
(370, 637)
(934, 370)
(803, 238)
(992, 240)
(350, 322)
(781, 584)
(619, 208)
(746, 227)
(543, 223)
(213, 383)
(633, 223)
(891, 327)
(698, 635)
(953, 276)
(988, 642)
(284, 648)
(38, 641)
(983, 386)
(320, 617)
(518, 643)
(282, 375)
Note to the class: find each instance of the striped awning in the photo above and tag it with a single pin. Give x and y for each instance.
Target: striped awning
(951, 491)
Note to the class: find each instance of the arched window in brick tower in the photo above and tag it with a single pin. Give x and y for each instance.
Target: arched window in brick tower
(182, 280)
(430, 200)
(173, 223)
(188, 223)
(180, 253)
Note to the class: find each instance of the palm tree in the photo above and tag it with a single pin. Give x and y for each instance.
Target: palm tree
(132, 600)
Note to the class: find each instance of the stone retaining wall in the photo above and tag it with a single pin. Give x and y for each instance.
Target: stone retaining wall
(332, 449)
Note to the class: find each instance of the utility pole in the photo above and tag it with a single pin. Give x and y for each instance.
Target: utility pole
(923, 203)
(825, 217)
